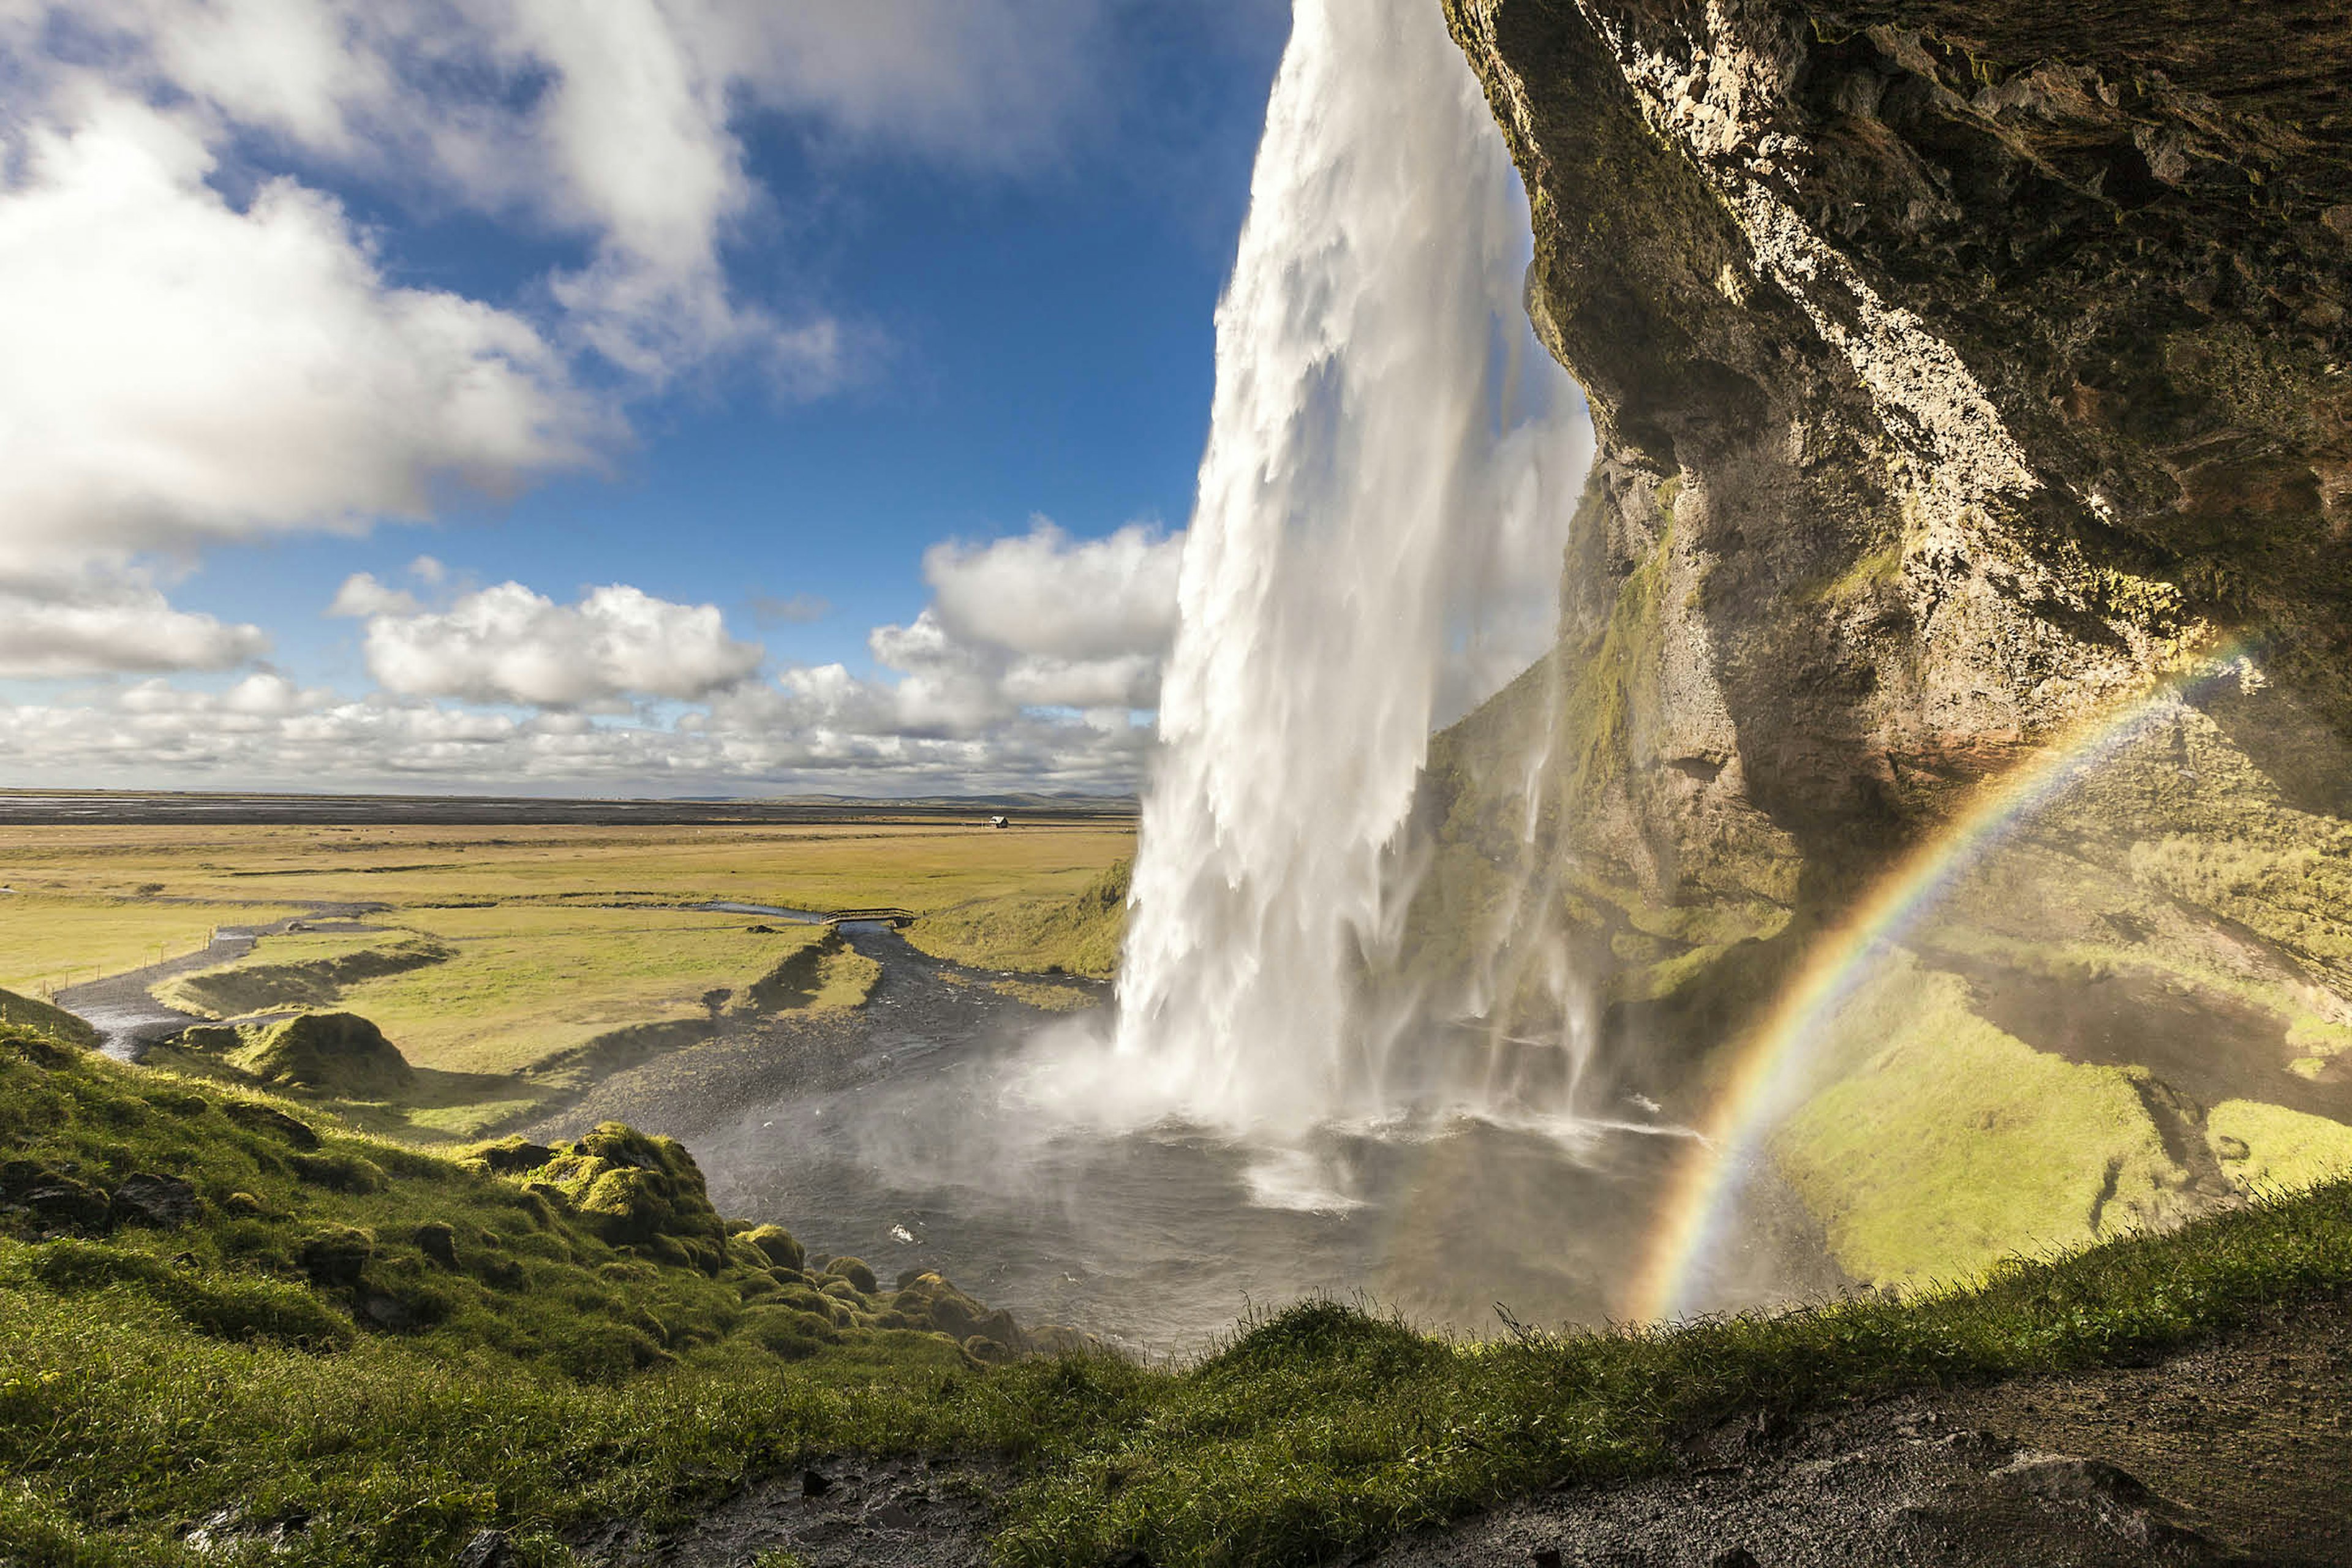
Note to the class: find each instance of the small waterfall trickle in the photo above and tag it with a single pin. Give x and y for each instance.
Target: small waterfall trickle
(1377, 542)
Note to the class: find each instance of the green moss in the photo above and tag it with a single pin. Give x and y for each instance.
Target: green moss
(1950, 1144)
(633, 1189)
(1867, 573)
(2267, 1148)
(338, 1054)
(775, 1244)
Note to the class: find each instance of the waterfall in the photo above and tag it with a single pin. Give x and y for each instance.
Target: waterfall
(1391, 467)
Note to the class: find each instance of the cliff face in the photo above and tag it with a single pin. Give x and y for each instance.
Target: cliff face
(1997, 347)
(1960, 366)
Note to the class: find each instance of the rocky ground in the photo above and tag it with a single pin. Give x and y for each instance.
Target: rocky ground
(2235, 1454)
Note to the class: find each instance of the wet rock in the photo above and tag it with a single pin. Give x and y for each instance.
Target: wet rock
(268, 1118)
(164, 1203)
(2064, 1478)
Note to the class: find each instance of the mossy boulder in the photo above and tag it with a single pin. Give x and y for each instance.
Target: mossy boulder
(776, 1245)
(636, 1190)
(341, 1054)
(854, 1269)
(929, 1302)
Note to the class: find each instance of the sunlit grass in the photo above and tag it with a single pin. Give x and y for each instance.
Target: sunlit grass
(527, 982)
(48, 942)
(150, 1379)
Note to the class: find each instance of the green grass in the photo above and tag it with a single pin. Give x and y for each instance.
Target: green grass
(591, 1357)
(1940, 1143)
(48, 943)
(525, 982)
(1042, 934)
(2283, 1149)
(295, 970)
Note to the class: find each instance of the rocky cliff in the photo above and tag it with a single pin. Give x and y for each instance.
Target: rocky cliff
(1961, 368)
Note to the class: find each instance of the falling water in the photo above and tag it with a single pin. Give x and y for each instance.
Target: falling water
(1377, 541)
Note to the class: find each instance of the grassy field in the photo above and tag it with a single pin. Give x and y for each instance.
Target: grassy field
(512, 964)
(928, 868)
(400, 1350)
(48, 942)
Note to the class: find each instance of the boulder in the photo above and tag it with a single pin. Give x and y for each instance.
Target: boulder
(511, 1156)
(61, 1203)
(438, 1241)
(164, 1202)
(776, 1244)
(634, 1189)
(336, 1255)
(340, 1054)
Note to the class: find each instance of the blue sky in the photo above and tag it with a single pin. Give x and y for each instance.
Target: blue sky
(679, 396)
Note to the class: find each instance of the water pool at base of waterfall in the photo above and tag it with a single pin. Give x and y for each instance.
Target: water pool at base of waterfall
(1160, 1238)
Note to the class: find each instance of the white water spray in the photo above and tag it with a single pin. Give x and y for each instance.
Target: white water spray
(1377, 542)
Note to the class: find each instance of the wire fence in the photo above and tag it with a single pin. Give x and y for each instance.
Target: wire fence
(49, 988)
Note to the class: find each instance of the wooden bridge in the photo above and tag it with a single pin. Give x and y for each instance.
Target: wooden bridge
(896, 920)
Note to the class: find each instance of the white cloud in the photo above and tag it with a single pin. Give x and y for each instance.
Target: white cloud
(1042, 593)
(107, 627)
(615, 121)
(362, 596)
(507, 644)
(264, 731)
(176, 371)
(1037, 622)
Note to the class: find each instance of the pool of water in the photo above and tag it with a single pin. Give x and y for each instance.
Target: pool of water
(935, 1153)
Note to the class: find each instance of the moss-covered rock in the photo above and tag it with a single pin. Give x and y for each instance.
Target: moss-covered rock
(637, 1190)
(854, 1269)
(776, 1244)
(339, 1054)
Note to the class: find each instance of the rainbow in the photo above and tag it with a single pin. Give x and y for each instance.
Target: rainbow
(1702, 1194)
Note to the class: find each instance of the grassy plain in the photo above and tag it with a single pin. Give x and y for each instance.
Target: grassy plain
(48, 942)
(928, 867)
(540, 1377)
(511, 964)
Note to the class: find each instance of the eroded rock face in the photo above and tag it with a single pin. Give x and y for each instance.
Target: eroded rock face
(1961, 368)
(2000, 350)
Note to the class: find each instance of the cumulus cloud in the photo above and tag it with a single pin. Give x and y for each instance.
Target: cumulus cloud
(116, 629)
(615, 122)
(362, 594)
(175, 371)
(1044, 595)
(267, 731)
(507, 644)
(1037, 622)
